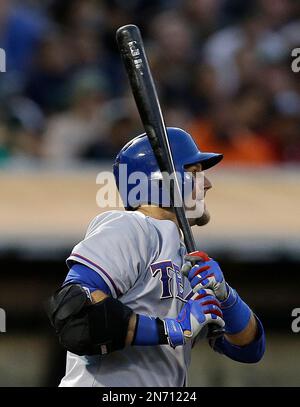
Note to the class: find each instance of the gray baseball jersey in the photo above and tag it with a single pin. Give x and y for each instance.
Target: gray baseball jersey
(139, 257)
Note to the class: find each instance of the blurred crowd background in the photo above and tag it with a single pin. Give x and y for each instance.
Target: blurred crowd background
(223, 72)
(223, 69)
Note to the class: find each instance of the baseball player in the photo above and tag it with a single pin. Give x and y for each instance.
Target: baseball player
(125, 313)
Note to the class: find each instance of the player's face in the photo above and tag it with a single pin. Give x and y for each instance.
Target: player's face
(201, 187)
(194, 169)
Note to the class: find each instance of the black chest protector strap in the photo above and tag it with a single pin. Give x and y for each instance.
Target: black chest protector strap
(84, 328)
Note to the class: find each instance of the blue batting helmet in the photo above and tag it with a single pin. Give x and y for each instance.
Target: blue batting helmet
(138, 157)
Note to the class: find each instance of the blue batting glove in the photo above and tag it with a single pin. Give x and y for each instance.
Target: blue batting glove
(208, 274)
(202, 309)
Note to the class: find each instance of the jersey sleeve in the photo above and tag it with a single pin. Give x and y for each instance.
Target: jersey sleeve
(118, 246)
(86, 277)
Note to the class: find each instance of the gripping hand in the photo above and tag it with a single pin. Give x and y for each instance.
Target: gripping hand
(202, 309)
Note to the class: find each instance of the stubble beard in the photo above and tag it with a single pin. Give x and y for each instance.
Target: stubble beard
(204, 219)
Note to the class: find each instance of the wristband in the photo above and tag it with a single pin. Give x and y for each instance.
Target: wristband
(149, 332)
(236, 313)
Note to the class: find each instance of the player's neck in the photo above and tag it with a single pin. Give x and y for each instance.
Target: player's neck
(158, 213)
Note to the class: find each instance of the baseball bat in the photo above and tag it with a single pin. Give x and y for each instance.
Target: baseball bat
(133, 54)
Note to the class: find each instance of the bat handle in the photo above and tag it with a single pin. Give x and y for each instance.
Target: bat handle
(214, 331)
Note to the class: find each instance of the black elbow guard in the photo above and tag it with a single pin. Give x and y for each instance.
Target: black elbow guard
(85, 328)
